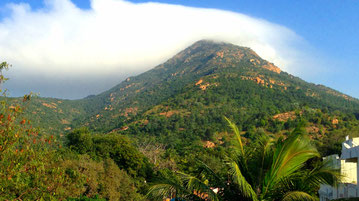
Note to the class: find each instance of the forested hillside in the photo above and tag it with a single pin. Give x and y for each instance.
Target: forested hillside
(185, 99)
(182, 116)
(208, 79)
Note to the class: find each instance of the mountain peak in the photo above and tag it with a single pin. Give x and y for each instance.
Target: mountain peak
(219, 54)
(213, 44)
(209, 78)
(209, 42)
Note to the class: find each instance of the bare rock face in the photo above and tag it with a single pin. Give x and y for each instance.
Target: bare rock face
(285, 116)
(209, 144)
(199, 82)
(312, 129)
(259, 80)
(272, 67)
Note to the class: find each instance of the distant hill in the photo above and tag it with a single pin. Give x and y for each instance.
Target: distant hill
(189, 94)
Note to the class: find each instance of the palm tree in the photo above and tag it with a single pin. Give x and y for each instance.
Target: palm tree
(267, 169)
(180, 186)
(279, 170)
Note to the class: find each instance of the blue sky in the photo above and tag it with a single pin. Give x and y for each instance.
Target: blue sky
(329, 30)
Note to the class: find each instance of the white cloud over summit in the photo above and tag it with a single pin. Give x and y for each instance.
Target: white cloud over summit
(64, 51)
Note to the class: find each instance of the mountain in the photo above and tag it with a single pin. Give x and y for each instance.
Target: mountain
(189, 94)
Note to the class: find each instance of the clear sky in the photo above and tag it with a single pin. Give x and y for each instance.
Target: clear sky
(322, 37)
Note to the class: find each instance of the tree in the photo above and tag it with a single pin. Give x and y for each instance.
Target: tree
(28, 165)
(80, 140)
(117, 147)
(266, 169)
(104, 179)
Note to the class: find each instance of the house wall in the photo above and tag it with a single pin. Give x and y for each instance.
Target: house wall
(348, 165)
(349, 171)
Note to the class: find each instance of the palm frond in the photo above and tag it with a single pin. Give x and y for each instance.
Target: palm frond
(244, 186)
(161, 191)
(240, 155)
(168, 186)
(237, 133)
(263, 156)
(198, 187)
(298, 196)
(210, 172)
(323, 173)
(289, 157)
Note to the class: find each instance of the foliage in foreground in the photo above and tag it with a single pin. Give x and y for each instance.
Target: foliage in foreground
(85, 198)
(286, 169)
(35, 167)
(110, 167)
(28, 165)
(117, 147)
(103, 179)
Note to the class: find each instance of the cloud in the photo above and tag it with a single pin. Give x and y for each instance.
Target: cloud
(61, 50)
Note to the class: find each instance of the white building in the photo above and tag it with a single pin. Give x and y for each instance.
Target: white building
(348, 165)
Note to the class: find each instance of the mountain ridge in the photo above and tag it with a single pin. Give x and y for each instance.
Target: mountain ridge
(206, 66)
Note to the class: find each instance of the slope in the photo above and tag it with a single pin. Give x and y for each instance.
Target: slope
(215, 75)
(199, 85)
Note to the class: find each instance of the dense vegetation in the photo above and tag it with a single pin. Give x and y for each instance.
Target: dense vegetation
(263, 170)
(184, 100)
(205, 78)
(149, 136)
